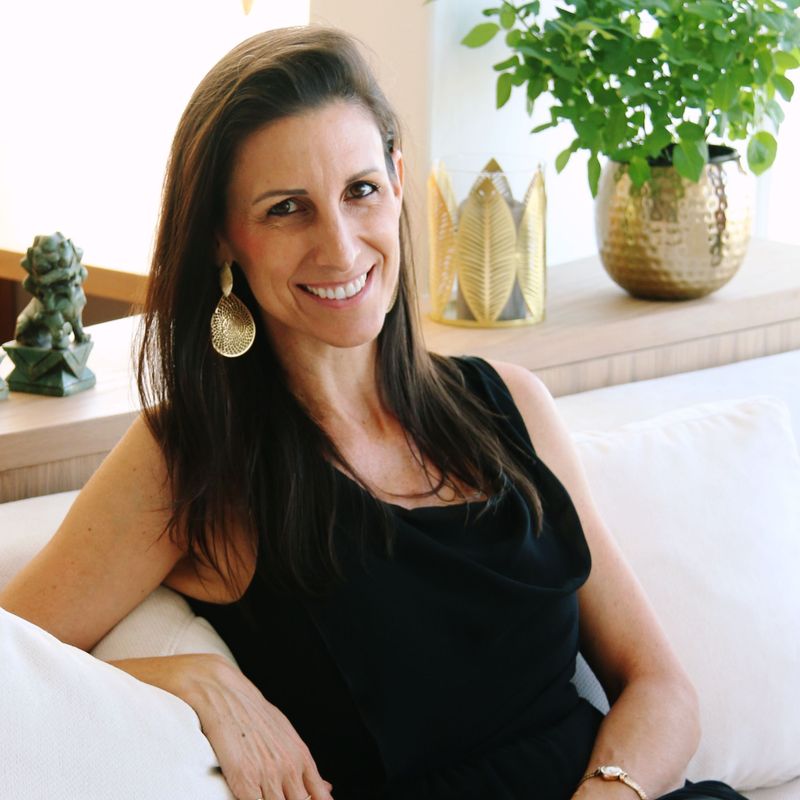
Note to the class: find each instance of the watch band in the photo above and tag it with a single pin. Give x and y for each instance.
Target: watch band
(614, 773)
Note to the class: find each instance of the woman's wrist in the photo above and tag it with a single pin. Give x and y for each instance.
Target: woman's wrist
(614, 774)
(598, 789)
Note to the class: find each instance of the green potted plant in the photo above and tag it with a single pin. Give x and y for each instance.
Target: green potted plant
(661, 88)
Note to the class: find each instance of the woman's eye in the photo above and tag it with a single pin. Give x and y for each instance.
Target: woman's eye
(283, 209)
(363, 189)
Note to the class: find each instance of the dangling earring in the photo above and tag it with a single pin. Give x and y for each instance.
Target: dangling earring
(233, 329)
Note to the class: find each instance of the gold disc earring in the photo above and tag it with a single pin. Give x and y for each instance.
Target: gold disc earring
(233, 329)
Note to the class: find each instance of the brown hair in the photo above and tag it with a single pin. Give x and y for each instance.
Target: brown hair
(235, 439)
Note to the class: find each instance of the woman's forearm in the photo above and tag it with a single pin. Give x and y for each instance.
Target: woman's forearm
(180, 675)
(259, 751)
(651, 731)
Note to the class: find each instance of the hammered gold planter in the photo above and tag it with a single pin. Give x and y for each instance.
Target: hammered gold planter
(487, 255)
(674, 239)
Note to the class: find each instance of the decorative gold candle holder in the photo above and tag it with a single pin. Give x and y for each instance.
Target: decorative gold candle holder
(487, 254)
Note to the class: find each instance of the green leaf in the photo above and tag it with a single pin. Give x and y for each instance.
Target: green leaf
(593, 169)
(544, 127)
(514, 37)
(639, 170)
(690, 131)
(761, 152)
(617, 126)
(775, 112)
(504, 84)
(507, 64)
(725, 91)
(531, 48)
(565, 72)
(657, 141)
(784, 60)
(563, 157)
(706, 9)
(507, 17)
(518, 78)
(689, 159)
(481, 34)
(720, 34)
(536, 86)
(784, 86)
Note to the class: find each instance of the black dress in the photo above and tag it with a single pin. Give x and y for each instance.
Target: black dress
(443, 672)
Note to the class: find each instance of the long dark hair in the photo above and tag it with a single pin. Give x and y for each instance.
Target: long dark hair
(237, 443)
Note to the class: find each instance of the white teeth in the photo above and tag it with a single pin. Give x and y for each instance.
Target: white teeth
(340, 292)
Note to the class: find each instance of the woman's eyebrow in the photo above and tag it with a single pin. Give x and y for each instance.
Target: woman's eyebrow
(301, 192)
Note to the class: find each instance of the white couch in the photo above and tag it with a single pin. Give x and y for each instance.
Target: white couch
(699, 478)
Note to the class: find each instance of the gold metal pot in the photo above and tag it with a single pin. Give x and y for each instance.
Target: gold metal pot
(674, 239)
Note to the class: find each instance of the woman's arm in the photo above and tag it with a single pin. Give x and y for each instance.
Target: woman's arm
(109, 553)
(652, 729)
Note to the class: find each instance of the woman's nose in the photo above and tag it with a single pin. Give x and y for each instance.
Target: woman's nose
(336, 245)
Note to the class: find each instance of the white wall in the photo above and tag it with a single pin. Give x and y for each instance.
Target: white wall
(91, 93)
(780, 191)
(465, 120)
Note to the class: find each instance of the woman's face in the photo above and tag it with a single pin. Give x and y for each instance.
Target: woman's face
(313, 221)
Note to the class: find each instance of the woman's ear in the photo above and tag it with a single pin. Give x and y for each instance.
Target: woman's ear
(223, 251)
(397, 183)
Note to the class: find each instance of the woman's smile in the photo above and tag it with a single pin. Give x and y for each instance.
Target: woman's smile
(338, 291)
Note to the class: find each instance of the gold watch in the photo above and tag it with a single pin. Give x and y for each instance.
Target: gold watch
(611, 773)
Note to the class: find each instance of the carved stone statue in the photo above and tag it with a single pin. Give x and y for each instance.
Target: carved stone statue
(55, 279)
(3, 384)
(51, 348)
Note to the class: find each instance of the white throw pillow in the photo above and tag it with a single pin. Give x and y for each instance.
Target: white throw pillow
(705, 503)
(75, 727)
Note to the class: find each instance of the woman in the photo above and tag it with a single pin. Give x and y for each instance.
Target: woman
(397, 572)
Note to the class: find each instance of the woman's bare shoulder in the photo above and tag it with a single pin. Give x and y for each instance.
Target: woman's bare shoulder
(535, 403)
(110, 551)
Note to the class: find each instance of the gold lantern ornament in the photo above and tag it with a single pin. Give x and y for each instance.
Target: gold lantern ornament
(487, 254)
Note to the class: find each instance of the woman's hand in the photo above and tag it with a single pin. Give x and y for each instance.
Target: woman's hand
(260, 753)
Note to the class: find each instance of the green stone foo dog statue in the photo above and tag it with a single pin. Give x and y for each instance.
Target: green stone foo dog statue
(50, 349)
(3, 384)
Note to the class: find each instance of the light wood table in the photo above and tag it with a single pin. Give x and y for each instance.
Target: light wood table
(594, 335)
(51, 444)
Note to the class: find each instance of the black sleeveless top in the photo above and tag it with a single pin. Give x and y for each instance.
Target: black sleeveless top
(441, 672)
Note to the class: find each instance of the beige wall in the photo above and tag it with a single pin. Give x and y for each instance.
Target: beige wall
(397, 36)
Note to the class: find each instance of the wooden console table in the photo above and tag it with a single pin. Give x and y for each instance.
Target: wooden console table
(594, 335)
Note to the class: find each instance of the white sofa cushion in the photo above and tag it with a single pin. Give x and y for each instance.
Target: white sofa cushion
(75, 727)
(705, 503)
